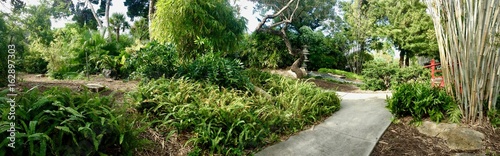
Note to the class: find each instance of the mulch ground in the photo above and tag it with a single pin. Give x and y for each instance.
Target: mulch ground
(403, 138)
(334, 86)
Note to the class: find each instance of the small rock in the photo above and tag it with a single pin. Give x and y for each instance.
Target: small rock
(106, 73)
(95, 87)
(457, 138)
(40, 75)
(337, 76)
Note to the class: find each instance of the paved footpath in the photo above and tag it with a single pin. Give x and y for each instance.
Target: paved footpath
(353, 130)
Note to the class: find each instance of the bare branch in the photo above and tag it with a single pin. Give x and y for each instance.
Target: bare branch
(273, 16)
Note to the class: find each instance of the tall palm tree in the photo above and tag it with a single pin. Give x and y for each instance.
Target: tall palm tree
(118, 22)
(140, 29)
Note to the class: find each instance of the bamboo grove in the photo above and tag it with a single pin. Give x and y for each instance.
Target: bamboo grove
(467, 33)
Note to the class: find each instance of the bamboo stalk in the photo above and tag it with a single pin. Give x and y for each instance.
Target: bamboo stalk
(466, 32)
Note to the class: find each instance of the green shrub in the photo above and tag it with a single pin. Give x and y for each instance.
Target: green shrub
(411, 73)
(155, 60)
(420, 100)
(494, 115)
(318, 61)
(60, 122)
(263, 50)
(380, 75)
(230, 122)
(34, 63)
(377, 75)
(348, 75)
(260, 78)
(216, 70)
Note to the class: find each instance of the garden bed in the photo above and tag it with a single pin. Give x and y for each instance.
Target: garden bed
(403, 138)
(169, 142)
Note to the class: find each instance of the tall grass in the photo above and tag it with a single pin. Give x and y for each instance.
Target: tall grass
(229, 121)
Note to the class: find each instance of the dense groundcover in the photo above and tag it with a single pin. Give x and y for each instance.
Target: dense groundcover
(216, 120)
(230, 121)
(59, 121)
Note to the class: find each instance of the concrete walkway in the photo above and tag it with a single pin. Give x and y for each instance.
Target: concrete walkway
(353, 130)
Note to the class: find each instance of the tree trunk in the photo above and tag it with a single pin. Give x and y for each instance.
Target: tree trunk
(361, 58)
(118, 35)
(95, 15)
(401, 59)
(107, 19)
(296, 66)
(150, 15)
(407, 61)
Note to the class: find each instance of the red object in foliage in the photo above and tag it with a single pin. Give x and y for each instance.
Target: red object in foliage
(435, 79)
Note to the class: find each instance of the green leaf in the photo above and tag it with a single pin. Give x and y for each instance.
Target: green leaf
(121, 138)
(64, 129)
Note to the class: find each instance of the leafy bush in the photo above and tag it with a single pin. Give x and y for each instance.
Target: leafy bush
(494, 115)
(267, 50)
(60, 122)
(73, 50)
(318, 61)
(229, 122)
(264, 50)
(155, 60)
(216, 70)
(325, 51)
(420, 100)
(377, 75)
(411, 73)
(348, 75)
(34, 63)
(380, 75)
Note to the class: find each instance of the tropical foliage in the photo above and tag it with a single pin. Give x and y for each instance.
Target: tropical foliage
(379, 75)
(227, 121)
(420, 100)
(197, 26)
(3, 56)
(61, 122)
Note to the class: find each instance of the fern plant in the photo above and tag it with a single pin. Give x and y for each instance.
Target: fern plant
(61, 122)
(420, 100)
(229, 121)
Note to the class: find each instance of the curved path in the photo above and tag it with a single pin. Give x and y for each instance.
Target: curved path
(353, 130)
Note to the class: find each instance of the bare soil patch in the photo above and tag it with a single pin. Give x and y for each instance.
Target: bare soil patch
(334, 86)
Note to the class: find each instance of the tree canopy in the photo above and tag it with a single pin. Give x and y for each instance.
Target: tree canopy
(118, 22)
(137, 8)
(308, 13)
(408, 26)
(404, 23)
(196, 26)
